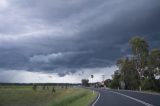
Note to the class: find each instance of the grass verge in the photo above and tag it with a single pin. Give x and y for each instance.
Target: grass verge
(25, 96)
(82, 98)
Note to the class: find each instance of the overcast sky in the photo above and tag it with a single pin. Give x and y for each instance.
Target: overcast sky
(67, 40)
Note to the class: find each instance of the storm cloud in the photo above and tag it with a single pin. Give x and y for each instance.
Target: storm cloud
(68, 36)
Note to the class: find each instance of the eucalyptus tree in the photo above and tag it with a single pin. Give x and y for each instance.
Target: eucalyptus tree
(140, 51)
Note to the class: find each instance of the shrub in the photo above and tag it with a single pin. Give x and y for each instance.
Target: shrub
(34, 87)
(53, 90)
(149, 84)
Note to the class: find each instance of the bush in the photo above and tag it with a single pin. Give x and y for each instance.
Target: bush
(34, 87)
(114, 84)
(53, 90)
(85, 82)
(149, 84)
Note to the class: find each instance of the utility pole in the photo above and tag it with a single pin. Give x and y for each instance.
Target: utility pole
(103, 78)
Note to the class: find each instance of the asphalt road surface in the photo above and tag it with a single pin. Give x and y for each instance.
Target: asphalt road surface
(109, 97)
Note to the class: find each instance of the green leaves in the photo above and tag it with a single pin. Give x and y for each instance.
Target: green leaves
(139, 46)
(85, 82)
(154, 61)
(139, 69)
(140, 51)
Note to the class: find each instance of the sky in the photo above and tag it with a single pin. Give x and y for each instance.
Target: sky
(68, 40)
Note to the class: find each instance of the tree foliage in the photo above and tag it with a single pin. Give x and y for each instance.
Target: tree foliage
(107, 82)
(115, 82)
(34, 87)
(85, 82)
(140, 51)
(154, 61)
(140, 69)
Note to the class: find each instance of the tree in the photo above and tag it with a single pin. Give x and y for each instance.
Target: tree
(154, 61)
(128, 73)
(153, 69)
(53, 90)
(115, 82)
(107, 82)
(140, 51)
(139, 70)
(85, 82)
(92, 76)
(150, 84)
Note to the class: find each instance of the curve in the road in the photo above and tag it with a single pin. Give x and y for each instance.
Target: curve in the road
(108, 97)
(96, 99)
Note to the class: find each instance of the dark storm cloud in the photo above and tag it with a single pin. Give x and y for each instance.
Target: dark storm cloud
(62, 36)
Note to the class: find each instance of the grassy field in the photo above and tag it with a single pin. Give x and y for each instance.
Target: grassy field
(25, 96)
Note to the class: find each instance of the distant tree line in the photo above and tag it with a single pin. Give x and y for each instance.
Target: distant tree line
(85, 82)
(139, 71)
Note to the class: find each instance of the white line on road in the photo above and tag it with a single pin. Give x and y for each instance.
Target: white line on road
(96, 100)
(140, 101)
(144, 92)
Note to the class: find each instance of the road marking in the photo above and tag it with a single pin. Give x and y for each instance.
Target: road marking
(96, 100)
(149, 93)
(140, 101)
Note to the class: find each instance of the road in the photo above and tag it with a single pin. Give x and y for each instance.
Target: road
(125, 98)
